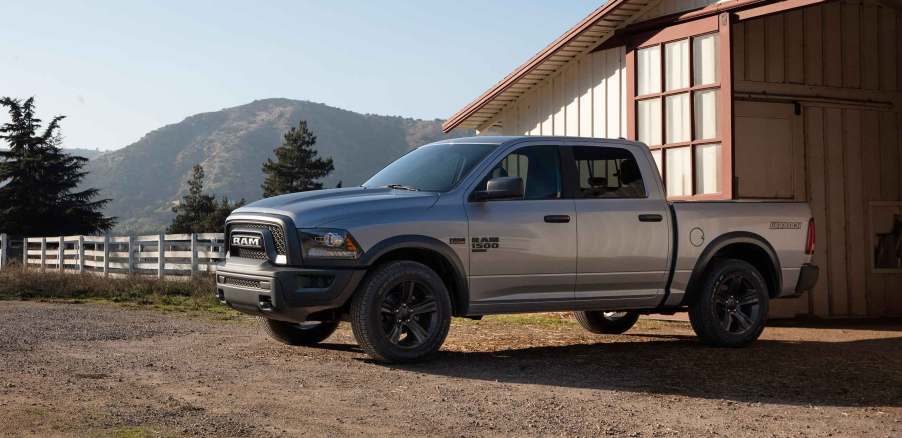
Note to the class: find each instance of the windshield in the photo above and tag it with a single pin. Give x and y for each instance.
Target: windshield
(432, 168)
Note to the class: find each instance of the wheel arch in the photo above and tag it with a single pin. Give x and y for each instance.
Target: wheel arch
(435, 254)
(741, 245)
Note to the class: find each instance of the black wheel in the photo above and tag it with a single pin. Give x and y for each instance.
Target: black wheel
(612, 323)
(731, 308)
(305, 333)
(401, 313)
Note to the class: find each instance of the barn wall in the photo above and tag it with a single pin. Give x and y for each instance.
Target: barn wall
(846, 46)
(586, 99)
(841, 62)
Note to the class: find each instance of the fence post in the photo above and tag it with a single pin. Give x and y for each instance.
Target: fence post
(24, 253)
(43, 254)
(193, 253)
(4, 249)
(106, 254)
(131, 252)
(161, 256)
(81, 254)
(61, 254)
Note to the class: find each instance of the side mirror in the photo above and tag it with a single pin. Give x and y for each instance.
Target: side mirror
(503, 187)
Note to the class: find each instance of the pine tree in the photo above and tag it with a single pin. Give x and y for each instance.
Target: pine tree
(39, 193)
(199, 212)
(297, 166)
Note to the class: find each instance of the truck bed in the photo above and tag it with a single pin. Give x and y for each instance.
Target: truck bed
(781, 225)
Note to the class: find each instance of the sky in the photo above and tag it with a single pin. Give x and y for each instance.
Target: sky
(118, 70)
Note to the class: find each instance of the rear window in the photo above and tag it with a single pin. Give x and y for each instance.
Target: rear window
(605, 172)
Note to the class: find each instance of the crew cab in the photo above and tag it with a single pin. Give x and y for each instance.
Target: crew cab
(488, 225)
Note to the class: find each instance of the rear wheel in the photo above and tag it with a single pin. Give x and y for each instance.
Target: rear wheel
(305, 333)
(401, 313)
(731, 309)
(606, 322)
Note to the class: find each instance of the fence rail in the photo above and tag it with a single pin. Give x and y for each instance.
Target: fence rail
(161, 255)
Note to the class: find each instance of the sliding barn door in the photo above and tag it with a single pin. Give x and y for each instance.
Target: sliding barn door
(769, 151)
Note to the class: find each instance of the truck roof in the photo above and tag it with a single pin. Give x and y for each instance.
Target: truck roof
(504, 139)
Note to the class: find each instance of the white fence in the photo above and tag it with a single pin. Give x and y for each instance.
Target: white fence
(160, 255)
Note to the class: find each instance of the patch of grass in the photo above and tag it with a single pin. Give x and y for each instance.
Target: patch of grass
(194, 295)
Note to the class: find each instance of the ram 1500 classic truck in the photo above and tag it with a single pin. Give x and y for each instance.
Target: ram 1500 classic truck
(487, 225)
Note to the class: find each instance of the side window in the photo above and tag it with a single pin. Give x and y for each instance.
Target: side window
(538, 166)
(607, 173)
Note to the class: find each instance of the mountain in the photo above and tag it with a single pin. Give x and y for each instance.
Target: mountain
(83, 152)
(145, 178)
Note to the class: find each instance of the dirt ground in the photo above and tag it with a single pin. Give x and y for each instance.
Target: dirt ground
(101, 370)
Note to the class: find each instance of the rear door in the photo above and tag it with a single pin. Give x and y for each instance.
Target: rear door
(524, 250)
(624, 242)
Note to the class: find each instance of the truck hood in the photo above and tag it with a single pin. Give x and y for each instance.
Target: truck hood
(319, 207)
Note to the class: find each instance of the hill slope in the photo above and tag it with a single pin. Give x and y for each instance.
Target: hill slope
(145, 178)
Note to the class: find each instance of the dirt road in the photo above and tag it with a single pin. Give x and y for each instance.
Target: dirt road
(85, 369)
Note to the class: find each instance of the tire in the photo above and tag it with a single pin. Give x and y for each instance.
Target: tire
(611, 323)
(305, 333)
(401, 313)
(731, 309)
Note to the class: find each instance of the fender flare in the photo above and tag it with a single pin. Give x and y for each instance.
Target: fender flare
(461, 293)
(731, 238)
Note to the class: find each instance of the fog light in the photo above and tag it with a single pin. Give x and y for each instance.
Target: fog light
(315, 281)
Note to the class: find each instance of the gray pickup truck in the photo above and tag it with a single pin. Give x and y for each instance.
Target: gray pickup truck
(488, 225)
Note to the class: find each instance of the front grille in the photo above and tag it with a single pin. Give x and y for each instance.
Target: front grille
(248, 253)
(242, 282)
(278, 236)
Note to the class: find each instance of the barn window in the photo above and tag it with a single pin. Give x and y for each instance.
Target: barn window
(676, 101)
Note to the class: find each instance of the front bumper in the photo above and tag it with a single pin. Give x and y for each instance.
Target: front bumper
(283, 292)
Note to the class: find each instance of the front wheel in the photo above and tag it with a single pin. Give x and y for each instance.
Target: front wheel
(305, 333)
(612, 323)
(401, 313)
(731, 309)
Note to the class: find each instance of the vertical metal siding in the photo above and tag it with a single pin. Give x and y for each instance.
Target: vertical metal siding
(849, 52)
(586, 99)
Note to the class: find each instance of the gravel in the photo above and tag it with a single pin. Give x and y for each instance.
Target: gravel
(93, 369)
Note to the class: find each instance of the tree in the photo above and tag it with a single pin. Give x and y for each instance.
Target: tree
(297, 166)
(39, 193)
(199, 212)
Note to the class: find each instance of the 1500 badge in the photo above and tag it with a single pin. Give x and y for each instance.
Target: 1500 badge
(483, 244)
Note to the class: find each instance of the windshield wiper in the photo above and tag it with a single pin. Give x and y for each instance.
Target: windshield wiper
(402, 187)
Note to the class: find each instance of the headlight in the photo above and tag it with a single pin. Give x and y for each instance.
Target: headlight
(328, 243)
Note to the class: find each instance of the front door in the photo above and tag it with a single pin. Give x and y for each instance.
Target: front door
(624, 235)
(523, 250)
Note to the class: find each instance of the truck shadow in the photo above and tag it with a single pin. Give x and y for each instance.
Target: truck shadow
(857, 373)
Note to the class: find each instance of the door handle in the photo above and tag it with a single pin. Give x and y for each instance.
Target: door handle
(650, 218)
(557, 218)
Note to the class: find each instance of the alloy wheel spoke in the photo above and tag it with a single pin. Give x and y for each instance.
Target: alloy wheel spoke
(407, 291)
(742, 319)
(726, 320)
(417, 330)
(424, 307)
(385, 308)
(395, 335)
(750, 298)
